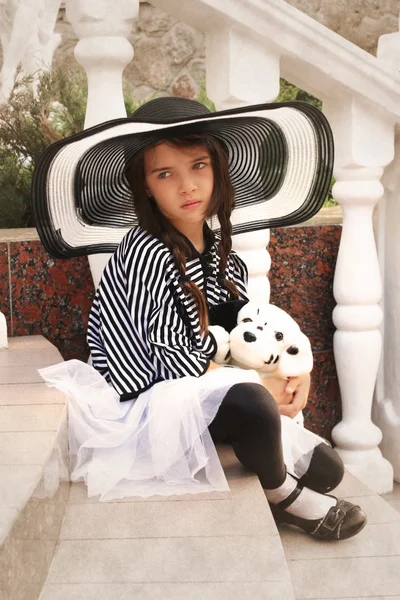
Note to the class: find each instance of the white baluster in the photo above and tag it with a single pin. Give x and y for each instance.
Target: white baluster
(252, 248)
(104, 51)
(3, 331)
(386, 408)
(389, 49)
(364, 146)
(234, 64)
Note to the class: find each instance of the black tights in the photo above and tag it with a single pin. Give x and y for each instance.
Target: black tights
(249, 419)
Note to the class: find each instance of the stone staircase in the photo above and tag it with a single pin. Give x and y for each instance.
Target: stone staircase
(59, 545)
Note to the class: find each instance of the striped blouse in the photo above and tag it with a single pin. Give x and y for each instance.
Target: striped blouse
(143, 328)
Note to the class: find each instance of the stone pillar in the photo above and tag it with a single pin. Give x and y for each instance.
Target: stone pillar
(234, 64)
(3, 332)
(364, 146)
(386, 408)
(104, 51)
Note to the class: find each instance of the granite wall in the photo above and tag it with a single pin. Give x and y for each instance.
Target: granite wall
(42, 295)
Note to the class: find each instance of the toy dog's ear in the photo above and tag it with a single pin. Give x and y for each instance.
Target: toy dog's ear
(297, 358)
(225, 314)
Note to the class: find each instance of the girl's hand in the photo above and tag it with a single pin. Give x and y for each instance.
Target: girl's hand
(299, 388)
(277, 388)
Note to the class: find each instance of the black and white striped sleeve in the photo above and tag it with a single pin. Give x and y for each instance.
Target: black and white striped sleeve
(173, 347)
(95, 342)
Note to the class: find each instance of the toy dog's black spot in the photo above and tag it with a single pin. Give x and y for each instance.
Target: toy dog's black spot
(276, 360)
(247, 320)
(260, 328)
(249, 337)
(228, 355)
(293, 350)
(271, 358)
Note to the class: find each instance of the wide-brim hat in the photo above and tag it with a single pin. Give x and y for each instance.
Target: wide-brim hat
(280, 163)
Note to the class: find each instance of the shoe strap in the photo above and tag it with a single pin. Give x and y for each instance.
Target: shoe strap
(291, 498)
(334, 517)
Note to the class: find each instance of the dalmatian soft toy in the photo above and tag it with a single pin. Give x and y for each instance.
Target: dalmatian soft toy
(261, 337)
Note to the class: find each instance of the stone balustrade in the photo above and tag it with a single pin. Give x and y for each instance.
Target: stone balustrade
(361, 99)
(249, 45)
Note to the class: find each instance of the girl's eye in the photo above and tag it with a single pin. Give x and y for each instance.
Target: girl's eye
(163, 175)
(199, 165)
(279, 336)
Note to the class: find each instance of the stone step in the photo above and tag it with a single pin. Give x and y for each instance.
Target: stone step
(364, 567)
(221, 546)
(33, 456)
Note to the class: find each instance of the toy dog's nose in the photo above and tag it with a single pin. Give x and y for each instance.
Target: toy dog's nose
(249, 337)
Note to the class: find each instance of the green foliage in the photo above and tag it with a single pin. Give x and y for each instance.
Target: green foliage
(203, 98)
(29, 122)
(289, 92)
(15, 180)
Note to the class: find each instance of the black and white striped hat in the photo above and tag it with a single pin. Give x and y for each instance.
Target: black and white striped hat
(280, 162)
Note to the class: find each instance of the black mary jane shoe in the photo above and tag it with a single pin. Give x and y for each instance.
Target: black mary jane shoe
(342, 521)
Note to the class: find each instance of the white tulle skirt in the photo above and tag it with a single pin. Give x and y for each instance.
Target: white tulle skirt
(159, 443)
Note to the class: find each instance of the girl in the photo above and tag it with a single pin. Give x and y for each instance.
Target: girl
(143, 421)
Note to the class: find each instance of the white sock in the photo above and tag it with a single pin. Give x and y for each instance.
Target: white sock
(308, 505)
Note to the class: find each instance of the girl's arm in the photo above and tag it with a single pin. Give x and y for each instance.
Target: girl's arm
(290, 394)
(213, 365)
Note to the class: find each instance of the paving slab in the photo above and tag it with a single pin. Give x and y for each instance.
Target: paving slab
(394, 498)
(350, 486)
(346, 578)
(23, 355)
(275, 590)
(25, 448)
(14, 374)
(156, 560)
(364, 567)
(18, 483)
(31, 418)
(167, 519)
(376, 508)
(380, 539)
(38, 392)
(222, 546)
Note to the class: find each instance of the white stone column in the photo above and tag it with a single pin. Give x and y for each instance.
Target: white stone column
(3, 332)
(386, 408)
(234, 64)
(104, 51)
(364, 141)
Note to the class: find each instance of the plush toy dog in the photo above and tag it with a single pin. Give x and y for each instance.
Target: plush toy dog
(261, 337)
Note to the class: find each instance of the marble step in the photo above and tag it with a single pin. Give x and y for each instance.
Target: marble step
(365, 567)
(205, 546)
(33, 458)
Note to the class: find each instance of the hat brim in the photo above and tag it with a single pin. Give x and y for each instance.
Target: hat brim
(280, 163)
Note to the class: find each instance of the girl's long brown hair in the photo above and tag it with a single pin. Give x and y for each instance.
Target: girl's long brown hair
(221, 205)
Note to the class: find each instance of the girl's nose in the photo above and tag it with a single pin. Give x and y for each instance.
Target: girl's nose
(187, 186)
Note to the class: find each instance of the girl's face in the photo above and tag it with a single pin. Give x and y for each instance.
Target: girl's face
(181, 181)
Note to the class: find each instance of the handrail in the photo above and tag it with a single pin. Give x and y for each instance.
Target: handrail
(313, 56)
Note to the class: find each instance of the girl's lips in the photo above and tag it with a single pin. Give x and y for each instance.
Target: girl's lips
(192, 204)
